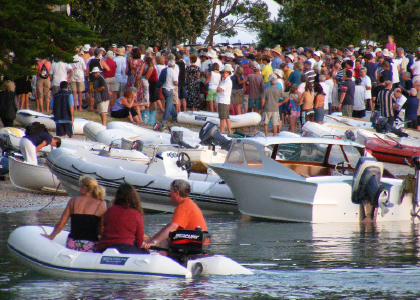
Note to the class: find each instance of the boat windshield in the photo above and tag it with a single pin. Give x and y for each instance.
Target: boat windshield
(315, 153)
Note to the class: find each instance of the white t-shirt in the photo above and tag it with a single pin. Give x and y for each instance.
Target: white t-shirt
(224, 96)
(214, 80)
(170, 78)
(400, 101)
(330, 84)
(159, 69)
(79, 67)
(327, 92)
(205, 65)
(359, 98)
(59, 71)
(366, 82)
(415, 67)
(395, 74)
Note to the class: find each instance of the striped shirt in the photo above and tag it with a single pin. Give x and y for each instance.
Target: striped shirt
(386, 100)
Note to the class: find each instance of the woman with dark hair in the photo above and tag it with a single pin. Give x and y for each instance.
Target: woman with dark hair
(319, 103)
(8, 104)
(123, 222)
(193, 76)
(134, 71)
(151, 76)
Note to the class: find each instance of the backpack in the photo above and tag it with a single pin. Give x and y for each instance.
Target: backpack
(162, 78)
(44, 72)
(35, 128)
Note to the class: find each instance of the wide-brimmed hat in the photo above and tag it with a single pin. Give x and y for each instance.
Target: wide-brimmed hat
(212, 54)
(277, 50)
(238, 52)
(120, 51)
(228, 68)
(279, 72)
(95, 70)
(290, 56)
(86, 47)
(385, 52)
(317, 53)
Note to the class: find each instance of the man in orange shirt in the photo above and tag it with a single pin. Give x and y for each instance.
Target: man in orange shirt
(187, 214)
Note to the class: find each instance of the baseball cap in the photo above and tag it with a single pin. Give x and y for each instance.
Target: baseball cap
(114, 45)
(245, 61)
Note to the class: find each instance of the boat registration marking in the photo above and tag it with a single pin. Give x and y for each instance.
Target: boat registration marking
(113, 260)
(199, 118)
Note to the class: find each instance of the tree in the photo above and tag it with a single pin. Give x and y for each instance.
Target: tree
(343, 22)
(30, 31)
(228, 16)
(143, 21)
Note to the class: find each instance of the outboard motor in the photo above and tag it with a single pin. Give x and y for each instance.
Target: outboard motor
(187, 243)
(380, 124)
(210, 136)
(128, 144)
(350, 135)
(176, 139)
(7, 148)
(367, 189)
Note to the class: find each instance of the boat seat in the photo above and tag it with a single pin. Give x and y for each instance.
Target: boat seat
(307, 170)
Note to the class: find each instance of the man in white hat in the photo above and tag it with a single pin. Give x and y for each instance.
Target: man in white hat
(275, 64)
(206, 66)
(113, 47)
(100, 94)
(317, 57)
(224, 91)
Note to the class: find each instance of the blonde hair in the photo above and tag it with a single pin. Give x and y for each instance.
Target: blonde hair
(92, 187)
(9, 85)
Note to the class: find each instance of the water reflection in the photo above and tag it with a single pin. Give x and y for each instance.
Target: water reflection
(296, 260)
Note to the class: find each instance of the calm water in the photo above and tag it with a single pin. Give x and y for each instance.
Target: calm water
(290, 261)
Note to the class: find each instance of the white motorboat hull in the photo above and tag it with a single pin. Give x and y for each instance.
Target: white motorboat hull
(33, 178)
(201, 117)
(26, 117)
(151, 181)
(52, 258)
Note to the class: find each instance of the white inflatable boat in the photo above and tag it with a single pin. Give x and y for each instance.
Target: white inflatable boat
(201, 117)
(27, 116)
(52, 258)
(91, 129)
(34, 178)
(152, 181)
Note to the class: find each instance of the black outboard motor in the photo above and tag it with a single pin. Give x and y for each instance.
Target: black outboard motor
(350, 135)
(380, 124)
(177, 139)
(7, 148)
(187, 243)
(210, 136)
(367, 189)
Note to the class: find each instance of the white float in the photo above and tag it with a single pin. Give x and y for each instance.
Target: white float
(201, 117)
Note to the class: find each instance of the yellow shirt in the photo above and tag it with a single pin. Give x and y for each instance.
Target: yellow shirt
(287, 73)
(266, 71)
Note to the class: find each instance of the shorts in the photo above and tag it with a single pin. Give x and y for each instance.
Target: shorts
(112, 84)
(182, 92)
(43, 88)
(77, 86)
(295, 113)
(223, 111)
(237, 96)
(246, 100)
(175, 99)
(272, 116)
(62, 129)
(211, 95)
(254, 103)
(347, 110)
(103, 107)
(358, 113)
(319, 114)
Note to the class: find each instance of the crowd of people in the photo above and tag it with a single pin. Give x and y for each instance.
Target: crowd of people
(137, 82)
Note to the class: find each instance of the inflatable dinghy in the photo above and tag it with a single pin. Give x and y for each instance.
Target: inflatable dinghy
(52, 258)
(27, 116)
(201, 117)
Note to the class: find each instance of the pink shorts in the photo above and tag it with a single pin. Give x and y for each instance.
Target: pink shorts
(295, 113)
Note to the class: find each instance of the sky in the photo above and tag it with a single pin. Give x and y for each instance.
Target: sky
(246, 37)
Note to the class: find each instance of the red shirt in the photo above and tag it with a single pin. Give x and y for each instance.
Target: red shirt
(247, 71)
(121, 226)
(188, 216)
(112, 66)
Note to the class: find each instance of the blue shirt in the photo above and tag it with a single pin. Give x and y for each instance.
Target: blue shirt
(275, 64)
(411, 106)
(294, 77)
(71, 102)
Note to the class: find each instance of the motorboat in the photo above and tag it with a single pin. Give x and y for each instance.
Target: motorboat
(201, 117)
(392, 151)
(312, 180)
(34, 178)
(152, 181)
(52, 258)
(362, 135)
(27, 116)
(348, 121)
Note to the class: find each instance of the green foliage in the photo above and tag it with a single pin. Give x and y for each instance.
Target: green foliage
(342, 22)
(30, 31)
(142, 21)
(232, 15)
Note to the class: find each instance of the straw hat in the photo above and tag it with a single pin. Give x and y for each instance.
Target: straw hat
(238, 52)
(279, 73)
(228, 68)
(120, 51)
(212, 54)
(290, 56)
(277, 49)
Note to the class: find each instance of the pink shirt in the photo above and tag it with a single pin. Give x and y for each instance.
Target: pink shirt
(39, 67)
(390, 47)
